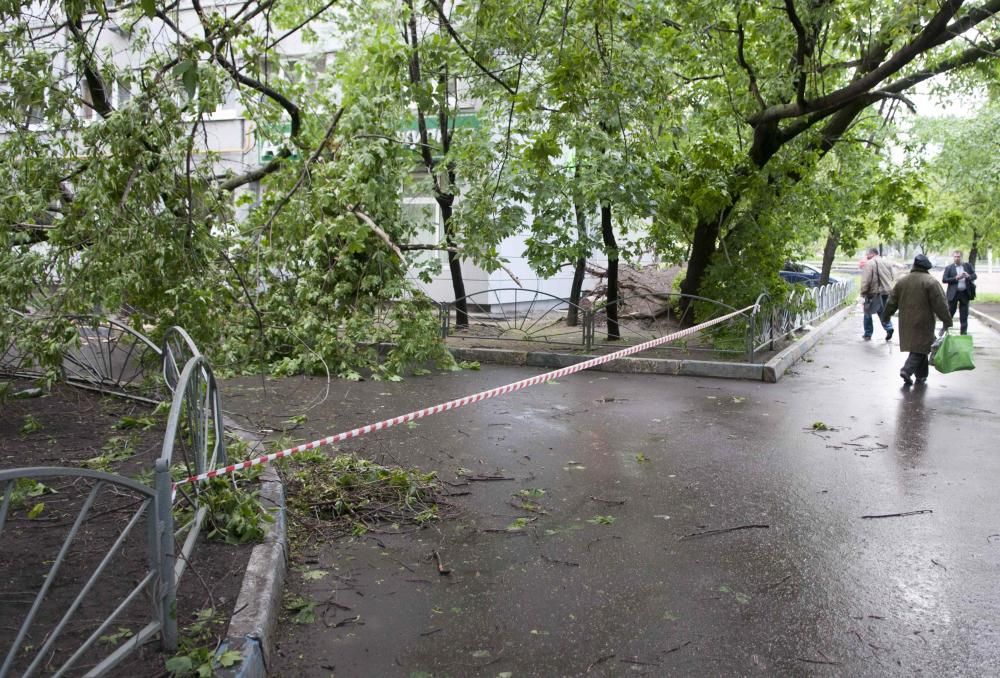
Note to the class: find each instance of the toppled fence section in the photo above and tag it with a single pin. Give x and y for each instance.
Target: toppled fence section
(70, 590)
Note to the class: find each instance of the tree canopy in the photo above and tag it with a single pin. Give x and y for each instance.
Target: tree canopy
(725, 135)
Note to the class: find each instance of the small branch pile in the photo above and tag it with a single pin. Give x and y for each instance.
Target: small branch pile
(349, 495)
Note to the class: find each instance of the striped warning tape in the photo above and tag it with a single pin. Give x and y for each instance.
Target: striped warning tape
(459, 402)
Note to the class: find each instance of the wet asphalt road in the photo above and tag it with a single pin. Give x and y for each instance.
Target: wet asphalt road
(808, 586)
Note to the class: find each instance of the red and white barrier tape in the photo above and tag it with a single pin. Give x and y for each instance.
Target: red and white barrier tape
(452, 404)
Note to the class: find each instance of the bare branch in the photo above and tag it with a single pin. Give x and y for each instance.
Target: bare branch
(741, 58)
(458, 250)
(380, 233)
(969, 56)
(465, 50)
(292, 31)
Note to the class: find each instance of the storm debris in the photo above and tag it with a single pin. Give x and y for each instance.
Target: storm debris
(442, 570)
(899, 515)
(707, 533)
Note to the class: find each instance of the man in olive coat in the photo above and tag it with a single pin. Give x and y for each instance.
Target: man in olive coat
(919, 299)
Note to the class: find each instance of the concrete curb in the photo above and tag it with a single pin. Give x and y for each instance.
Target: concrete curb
(776, 367)
(251, 629)
(690, 368)
(769, 372)
(989, 321)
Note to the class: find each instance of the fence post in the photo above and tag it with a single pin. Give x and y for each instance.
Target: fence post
(166, 586)
(588, 323)
(444, 313)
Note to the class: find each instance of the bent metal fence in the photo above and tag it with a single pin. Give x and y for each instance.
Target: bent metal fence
(109, 357)
(515, 314)
(543, 320)
(60, 625)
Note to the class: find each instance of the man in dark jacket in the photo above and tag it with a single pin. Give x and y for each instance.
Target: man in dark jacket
(919, 299)
(960, 277)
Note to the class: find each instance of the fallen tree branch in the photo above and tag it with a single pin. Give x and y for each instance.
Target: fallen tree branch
(380, 233)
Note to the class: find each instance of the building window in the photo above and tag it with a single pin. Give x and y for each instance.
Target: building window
(425, 215)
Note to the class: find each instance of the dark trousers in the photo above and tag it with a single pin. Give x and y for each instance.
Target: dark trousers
(869, 326)
(916, 365)
(961, 300)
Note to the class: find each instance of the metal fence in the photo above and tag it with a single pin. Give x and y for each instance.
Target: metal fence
(112, 359)
(542, 319)
(108, 356)
(775, 320)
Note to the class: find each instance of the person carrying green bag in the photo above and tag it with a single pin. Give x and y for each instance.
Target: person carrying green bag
(952, 353)
(919, 299)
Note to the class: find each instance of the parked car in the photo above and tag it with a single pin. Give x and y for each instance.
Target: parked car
(801, 274)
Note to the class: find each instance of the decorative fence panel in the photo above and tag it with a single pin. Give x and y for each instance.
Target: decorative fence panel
(774, 321)
(540, 319)
(515, 314)
(112, 358)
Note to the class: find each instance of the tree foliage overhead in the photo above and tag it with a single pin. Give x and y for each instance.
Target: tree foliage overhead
(725, 134)
(727, 106)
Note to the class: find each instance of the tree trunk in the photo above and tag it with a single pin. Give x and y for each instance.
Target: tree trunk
(611, 247)
(768, 140)
(444, 195)
(454, 262)
(579, 269)
(974, 250)
(703, 246)
(829, 251)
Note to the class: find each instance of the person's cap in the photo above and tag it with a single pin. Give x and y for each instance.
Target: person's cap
(921, 261)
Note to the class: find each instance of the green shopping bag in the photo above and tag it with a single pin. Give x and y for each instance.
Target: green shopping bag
(954, 353)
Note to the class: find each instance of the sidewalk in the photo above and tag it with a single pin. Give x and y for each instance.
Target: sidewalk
(610, 580)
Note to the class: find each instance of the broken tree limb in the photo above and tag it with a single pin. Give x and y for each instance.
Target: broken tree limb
(442, 570)
(380, 233)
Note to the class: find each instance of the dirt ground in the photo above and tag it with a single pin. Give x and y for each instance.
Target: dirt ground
(77, 428)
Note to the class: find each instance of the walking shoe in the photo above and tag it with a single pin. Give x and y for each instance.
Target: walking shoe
(888, 334)
(921, 380)
(866, 337)
(906, 378)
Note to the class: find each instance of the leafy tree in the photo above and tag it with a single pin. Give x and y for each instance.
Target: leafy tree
(732, 105)
(963, 172)
(117, 204)
(842, 60)
(575, 123)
